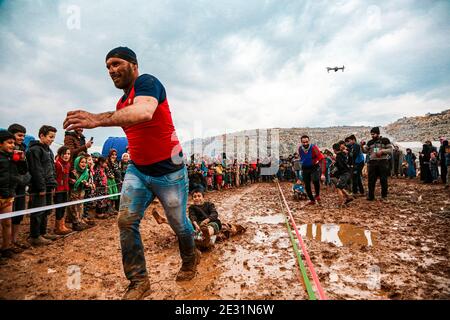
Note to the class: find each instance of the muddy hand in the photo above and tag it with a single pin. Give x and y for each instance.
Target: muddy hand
(80, 119)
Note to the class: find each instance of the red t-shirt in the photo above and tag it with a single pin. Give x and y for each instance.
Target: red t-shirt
(152, 141)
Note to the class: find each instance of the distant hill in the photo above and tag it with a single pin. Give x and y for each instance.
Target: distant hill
(428, 127)
(245, 143)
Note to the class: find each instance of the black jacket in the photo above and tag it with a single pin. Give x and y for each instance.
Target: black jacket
(9, 175)
(41, 164)
(205, 211)
(341, 164)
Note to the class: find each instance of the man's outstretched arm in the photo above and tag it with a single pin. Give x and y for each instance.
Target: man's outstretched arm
(140, 111)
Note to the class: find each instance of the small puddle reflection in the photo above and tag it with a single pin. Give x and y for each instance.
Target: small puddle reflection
(338, 234)
(270, 219)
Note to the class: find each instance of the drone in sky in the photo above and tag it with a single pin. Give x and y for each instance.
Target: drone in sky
(335, 69)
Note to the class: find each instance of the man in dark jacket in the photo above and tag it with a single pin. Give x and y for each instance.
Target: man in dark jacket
(76, 142)
(204, 217)
(41, 163)
(379, 149)
(19, 132)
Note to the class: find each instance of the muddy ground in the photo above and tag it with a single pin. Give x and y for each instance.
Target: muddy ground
(370, 250)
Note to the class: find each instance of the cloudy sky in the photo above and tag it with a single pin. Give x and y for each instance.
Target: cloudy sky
(228, 65)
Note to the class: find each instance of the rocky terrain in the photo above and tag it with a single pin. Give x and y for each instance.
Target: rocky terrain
(253, 143)
(427, 127)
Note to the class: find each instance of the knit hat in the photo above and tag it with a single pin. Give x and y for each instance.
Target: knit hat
(122, 53)
(375, 130)
(5, 135)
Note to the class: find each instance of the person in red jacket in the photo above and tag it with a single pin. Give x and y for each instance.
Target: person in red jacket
(313, 168)
(62, 166)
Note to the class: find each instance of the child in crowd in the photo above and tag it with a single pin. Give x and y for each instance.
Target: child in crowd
(219, 177)
(100, 179)
(228, 177)
(299, 190)
(124, 162)
(19, 132)
(89, 192)
(62, 166)
(41, 163)
(9, 178)
(342, 173)
(434, 167)
(114, 178)
(78, 181)
(209, 178)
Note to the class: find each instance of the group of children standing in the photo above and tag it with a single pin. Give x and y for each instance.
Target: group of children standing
(34, 173)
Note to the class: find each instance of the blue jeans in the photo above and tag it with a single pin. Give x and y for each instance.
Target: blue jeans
(138, 191)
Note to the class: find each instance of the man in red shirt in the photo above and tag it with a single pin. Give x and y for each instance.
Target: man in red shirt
(156, 169)
(313, 168)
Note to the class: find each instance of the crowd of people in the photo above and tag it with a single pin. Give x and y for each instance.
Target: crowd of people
(33, 172)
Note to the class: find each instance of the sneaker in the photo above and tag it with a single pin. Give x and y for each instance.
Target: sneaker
(137, 290)
(317, 198)
(79, 227)
(311, 203)
(348, 200)
(39, 241)
(89, 222)
(22, 245)
(7, 253)
(17, 249)
(189, 270)
(51, 237)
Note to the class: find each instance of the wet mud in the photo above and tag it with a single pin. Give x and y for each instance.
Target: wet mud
(371, 250)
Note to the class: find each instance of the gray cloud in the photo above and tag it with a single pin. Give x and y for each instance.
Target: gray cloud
(229, 65)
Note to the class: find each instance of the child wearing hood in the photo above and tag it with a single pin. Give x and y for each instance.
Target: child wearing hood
(78, 181)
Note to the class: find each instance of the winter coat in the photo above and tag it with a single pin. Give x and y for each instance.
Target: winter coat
(41, 164)
(9, 175)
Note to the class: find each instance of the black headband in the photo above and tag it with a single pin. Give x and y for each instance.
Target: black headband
(122, 53)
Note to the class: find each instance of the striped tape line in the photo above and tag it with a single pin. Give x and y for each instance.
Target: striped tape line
(53, 206)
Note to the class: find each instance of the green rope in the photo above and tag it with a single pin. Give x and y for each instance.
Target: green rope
(309, 288)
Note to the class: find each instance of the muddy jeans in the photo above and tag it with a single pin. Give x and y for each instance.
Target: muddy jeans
(138, 191)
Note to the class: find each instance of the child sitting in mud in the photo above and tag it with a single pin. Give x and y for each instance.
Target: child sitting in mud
(205, 220)
(299, 190)
(204, 217)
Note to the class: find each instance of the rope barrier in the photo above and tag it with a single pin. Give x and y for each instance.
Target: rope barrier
(319, 288)
(306, 281)
(53, 206)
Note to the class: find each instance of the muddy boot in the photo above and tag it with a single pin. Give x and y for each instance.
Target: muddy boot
(189, 270)
(79, 227)
(60, 228)
(206, 237)
(7, 253)
(51, 237)
(39, 241)
(137, 290)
